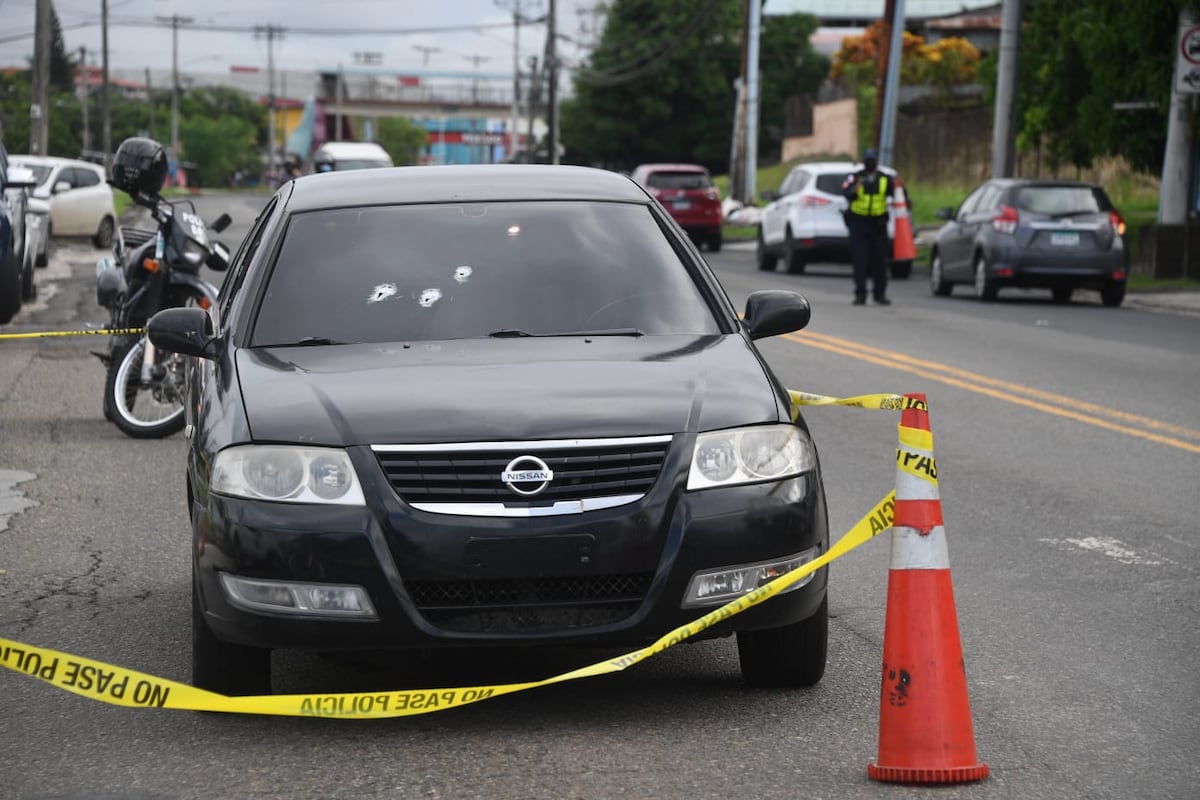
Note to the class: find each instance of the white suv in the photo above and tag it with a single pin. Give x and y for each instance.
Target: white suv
(81, 201)
(804, 222)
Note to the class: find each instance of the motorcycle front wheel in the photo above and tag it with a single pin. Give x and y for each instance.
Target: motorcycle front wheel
(143, 409)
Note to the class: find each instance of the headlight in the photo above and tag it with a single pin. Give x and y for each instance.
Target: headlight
(750, 455)
(287, 474)
(194, 253)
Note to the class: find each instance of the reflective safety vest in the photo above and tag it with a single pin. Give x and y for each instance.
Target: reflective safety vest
(871, 205)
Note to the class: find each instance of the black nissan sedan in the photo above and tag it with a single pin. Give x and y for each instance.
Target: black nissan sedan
(494, 405)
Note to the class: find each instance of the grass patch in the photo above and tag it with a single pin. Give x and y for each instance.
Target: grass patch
(1144, 283)
(121, 202)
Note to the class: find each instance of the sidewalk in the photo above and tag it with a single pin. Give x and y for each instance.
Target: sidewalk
(1170, 302)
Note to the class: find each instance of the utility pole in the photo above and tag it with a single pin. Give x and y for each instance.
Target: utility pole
(534, 97)
(84, 98)
(150, 100)
(105, 107)
(175, 20)
(512, 125)
(883, 61)
(887, 130)
(475, 62)
(1006, 82)
(1173, 199)
(39, 109)
(751, 126)
(271, 33)
(425, 51)
(552, 88)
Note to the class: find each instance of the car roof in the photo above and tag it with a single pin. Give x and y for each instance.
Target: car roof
(348, 149)
(668, 167)
(461, 183)
(54, 161)
(838, 167)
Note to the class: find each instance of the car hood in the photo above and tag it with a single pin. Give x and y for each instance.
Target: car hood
(504, 389)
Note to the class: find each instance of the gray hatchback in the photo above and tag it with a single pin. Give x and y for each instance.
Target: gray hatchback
(1056, 235)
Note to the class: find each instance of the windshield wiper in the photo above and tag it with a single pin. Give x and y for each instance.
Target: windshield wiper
(507, 333)
(312, 341)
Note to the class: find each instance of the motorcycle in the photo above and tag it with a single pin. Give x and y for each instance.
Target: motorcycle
(151, 270)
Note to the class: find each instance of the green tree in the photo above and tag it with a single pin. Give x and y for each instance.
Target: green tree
(403, 139)
(217, 146)
(789, 66)
(62, 66)
(659, 86)
(1078, 59)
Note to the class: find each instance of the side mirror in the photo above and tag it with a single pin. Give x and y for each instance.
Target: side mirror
(946, 213)
(769, 195)
(62, 186)
(772, 312)
(221, 223)
(187, 331)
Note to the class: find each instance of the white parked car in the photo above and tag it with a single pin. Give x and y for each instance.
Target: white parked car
(80, 199)
(803, 223)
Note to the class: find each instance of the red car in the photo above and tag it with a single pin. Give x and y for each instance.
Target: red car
(686, 191)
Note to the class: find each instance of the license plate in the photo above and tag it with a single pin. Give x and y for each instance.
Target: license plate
(1064, 238)
(681, 205)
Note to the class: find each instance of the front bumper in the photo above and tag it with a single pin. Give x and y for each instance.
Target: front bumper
(611, 577)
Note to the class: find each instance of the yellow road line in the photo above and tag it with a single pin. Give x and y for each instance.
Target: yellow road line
(979, 385)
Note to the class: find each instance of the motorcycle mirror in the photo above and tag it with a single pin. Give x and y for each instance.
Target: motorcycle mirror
(218, 259)
(221, 223)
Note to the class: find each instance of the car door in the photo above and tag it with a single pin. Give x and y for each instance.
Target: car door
(774, 216)
(68, 206)
(954, 240)
(91, 197)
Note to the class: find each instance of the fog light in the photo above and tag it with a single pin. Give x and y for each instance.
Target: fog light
(718, 587)
(305, 599)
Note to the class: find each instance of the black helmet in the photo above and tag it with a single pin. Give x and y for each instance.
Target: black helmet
(139, 166)
(871, 155)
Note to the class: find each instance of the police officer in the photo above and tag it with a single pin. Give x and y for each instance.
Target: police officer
(870, 193)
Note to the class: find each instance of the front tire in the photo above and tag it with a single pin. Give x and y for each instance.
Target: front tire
(28, 287)
(985, 284)
(937, 277)
(104, 233)
(233, 670)
(10, 289)
(766, 260)
(788, 656)
(142, 411)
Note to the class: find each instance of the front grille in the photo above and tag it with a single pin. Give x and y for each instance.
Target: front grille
(529, 605)
(472, 475)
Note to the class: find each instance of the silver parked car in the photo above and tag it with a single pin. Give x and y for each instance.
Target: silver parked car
(1056, 235)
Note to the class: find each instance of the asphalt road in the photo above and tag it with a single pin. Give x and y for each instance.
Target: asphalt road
(1068, 446)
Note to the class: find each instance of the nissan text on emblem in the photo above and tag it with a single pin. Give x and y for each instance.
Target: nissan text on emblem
(527, 475)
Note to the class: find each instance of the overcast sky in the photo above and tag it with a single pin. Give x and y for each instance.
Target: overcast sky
(488, 48)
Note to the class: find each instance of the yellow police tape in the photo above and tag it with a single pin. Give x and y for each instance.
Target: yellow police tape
(48, 334)
(125, 687)
(878, 402)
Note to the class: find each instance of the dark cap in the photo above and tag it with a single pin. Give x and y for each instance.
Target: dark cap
(871, 154)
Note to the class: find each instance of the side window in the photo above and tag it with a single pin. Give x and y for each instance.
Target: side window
(65, 175)
(971, 202)
(85, 177)
(241, 261)
(988, 200)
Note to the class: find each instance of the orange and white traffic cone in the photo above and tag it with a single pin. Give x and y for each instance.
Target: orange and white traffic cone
(925, 731)
(904, 247)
